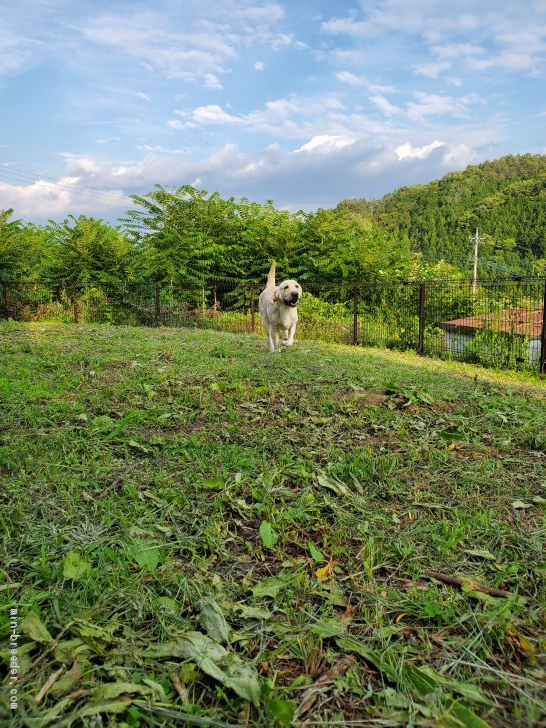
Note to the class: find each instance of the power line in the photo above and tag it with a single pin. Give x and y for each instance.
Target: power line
(12, 177)
(12, 174)
(34, 178)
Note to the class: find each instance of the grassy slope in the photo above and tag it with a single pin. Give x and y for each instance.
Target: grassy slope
(145, 469)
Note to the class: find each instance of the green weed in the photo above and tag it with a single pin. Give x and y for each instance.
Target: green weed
(194, 530)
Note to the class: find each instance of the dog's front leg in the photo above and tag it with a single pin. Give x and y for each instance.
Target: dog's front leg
(290, 332)
(274, 340)
(270, 331)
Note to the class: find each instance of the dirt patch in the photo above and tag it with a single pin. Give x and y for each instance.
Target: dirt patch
(364, 397)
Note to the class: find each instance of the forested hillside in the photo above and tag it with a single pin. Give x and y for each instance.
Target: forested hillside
(504, 199)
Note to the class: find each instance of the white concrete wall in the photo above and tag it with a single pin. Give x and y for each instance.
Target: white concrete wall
(457, 343)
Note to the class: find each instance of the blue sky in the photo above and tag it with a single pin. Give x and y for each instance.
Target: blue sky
(304, 102)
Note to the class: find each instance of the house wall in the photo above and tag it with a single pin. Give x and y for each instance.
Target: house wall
(457, 343)
(535, 348)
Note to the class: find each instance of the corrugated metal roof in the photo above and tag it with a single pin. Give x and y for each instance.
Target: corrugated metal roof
(519, 321)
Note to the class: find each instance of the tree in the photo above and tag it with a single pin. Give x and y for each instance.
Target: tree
(182, 235)
(339, 245)
(12, 251)
(86, 251)
(266, 234)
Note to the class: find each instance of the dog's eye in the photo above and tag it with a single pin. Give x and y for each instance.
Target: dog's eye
(285, 287)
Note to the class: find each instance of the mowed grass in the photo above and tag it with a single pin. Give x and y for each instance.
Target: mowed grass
(196, 531)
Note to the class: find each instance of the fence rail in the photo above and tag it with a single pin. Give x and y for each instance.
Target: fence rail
(502, 323)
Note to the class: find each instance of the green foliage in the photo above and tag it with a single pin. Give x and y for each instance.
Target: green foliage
(22, 249)
(194, 533)
(311, 307)
(337, 245)
(505, 199)
(87, 252)
(11, 245)
(266, 234)
(181, 235)
(186, 236)
(496, 348)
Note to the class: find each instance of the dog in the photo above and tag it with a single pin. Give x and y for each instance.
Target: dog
(278, 309)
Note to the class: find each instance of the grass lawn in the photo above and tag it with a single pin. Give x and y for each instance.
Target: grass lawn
(197, 532)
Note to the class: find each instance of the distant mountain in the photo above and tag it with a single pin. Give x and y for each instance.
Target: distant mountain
(505, 200)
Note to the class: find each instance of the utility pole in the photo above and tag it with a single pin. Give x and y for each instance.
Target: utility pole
(476, 239)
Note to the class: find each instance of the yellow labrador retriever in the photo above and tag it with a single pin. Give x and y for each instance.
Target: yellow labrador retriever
(278, 309)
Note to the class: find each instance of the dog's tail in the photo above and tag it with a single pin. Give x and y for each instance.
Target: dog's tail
(271, 275)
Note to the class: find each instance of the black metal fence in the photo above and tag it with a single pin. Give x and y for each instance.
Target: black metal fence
(499, 323)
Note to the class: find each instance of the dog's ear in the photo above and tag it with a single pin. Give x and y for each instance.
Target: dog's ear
(275, 296)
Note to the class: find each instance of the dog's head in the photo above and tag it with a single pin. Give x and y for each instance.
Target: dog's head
(288, 292)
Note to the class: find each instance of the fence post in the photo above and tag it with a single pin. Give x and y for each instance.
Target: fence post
(5, 301)
(252, 310)
(157, 309)
(355, 316)
(543, 337)
(421, 341)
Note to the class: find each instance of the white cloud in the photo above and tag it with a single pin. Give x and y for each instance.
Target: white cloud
(177, 124)
(15, 51)
(327, 118)
(185, 45)
(384, 105)
(281, 40)
(350, 78)
(295, 117)
(159, 149)
(324, 170)
(459, 156)
(212, 114)
(259, 66)
(386, 15)
(376, 88)
(326, 143)
(211, 81)
(202, 116)
(48, 199)
(431, 21)
(147, 39)
(525, 49)
(141, 95)
(263, 15)
(81, 165)
(348, 25)
(432, 70)
(458, 51)
(407, 151)
(439, 105)
(509, 37)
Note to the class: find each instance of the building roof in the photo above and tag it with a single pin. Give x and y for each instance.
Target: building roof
(519, 321)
